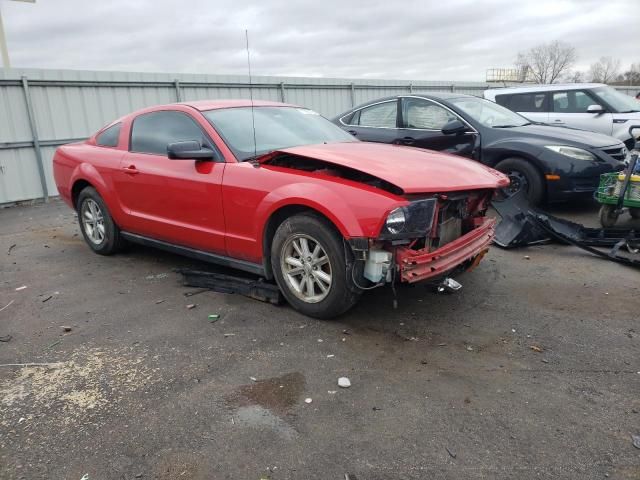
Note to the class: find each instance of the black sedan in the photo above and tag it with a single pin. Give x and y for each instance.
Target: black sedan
(551, 163)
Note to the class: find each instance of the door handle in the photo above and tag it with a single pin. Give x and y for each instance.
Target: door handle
(407, 140)
(558, 121)
(131, 170)
(353, 132)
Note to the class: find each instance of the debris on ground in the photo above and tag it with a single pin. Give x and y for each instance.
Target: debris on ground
(308, 400)
(11, 248)
(54, 344)
(253, 379)
(257, 289)
(229, 334)
(469, 348)
(635, 439)
(331, 355)
(65, 328)
(7, 305)
(332, 392)
(158, 276)
(191, 306)
(214, 317)
(536, 348)
(451, 453)
(46, 299)
(522, 225)
(6, 338)
(344, 382)
(21, 288)
(527, 257)
(158, 302)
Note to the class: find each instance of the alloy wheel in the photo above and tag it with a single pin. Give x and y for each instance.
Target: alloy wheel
(306, 268)
(93, 221)
(518, 181)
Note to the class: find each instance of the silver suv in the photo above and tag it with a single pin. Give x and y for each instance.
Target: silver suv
(588, 106)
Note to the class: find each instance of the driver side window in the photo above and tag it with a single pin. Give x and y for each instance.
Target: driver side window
(423, 114)
(152, 132)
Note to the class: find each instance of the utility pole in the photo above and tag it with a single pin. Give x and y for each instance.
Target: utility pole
(3, 39)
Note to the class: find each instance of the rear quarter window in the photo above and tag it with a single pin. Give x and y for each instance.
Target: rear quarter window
(524, 102)
(110, 136)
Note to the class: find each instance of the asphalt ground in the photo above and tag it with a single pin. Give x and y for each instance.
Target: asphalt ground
(531, 371)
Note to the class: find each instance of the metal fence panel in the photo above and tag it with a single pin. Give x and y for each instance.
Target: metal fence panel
(70, 105)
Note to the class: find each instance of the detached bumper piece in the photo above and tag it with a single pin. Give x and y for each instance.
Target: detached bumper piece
(256, 289)
(418, 265)
(523, 225)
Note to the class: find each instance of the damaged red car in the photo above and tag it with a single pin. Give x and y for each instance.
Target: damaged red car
(281, 192)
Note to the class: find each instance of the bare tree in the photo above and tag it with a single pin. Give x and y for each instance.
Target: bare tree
(605, 70)
(632, 76)
(574, 76)
(545, 63)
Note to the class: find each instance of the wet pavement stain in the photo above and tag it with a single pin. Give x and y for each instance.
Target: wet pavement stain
(278, 394)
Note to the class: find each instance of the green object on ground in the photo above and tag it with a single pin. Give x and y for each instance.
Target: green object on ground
(214, 317)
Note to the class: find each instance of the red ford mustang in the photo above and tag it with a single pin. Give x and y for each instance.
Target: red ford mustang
(278, 191)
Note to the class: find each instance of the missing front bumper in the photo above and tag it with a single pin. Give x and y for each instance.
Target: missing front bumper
(418, 265)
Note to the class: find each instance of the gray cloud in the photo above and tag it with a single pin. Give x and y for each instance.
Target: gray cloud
(428, 40)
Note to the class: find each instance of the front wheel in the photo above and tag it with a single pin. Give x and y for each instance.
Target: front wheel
(608, 216)
(98, 228)
(524, 177)
(311, 267)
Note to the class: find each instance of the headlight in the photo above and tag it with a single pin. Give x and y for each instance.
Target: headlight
(396, 221)
(573, 152)
(410, 221)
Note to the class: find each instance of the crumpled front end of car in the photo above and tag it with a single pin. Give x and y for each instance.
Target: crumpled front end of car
(429, 238)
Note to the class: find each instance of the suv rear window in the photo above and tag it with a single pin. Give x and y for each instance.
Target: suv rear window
(110, 136)
(524, 102)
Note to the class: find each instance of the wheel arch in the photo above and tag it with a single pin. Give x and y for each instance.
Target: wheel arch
(79, 185)
(276, 219)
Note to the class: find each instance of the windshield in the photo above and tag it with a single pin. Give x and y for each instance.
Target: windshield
(620, 102)
(488, 113)
(276, 128)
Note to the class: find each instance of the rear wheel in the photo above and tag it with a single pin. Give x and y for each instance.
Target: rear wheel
(608, 216)
(524, 177)
(98, 228)
(310, 267)
(635, 213)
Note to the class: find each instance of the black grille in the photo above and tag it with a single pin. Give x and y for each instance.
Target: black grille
(619, 153)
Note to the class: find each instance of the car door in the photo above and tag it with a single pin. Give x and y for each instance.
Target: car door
(374, 123)
(569, 108)
(422, 122)
(531, 105)
(178, 201)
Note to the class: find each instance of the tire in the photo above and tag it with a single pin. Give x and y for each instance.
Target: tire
(102, 234)
(523, 171)
(320, 298)
(608, 216)
(635, 213)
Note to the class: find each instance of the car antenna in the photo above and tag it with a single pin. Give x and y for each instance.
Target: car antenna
(253, 118)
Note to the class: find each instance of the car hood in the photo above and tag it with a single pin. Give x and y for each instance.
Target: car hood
(550, 135)
(411, 169)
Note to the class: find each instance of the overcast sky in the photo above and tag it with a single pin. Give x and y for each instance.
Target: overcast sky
(421, 40)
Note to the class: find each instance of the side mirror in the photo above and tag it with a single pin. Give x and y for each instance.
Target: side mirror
(595, 109)
(454, 127)
(190, 150)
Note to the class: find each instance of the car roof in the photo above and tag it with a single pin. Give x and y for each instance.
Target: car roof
(543, 88)
(427, 95)
(204, 105)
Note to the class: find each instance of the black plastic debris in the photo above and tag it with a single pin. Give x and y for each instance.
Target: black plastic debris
(523, 225)
(257, 289)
